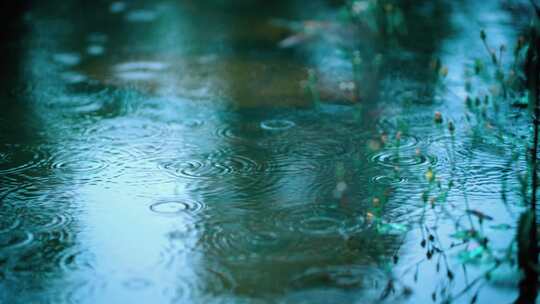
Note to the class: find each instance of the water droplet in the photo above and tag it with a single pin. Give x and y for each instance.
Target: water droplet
(277, 124)
(67, 59)
(73, 77)
(392, 159)
(117, 7)
(214, 165)
(95, 50)
(176, 207)
(141, 16)
(141, 66)
(388, 180)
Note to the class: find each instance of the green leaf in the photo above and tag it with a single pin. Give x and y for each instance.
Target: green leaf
(470, 256)
(464, 235)
(501, 227)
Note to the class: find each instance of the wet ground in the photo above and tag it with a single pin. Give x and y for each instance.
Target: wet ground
(161, 152)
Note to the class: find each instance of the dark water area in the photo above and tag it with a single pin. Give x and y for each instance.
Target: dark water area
(176, 152)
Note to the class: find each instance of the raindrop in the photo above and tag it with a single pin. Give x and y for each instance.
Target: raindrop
(141, 16)
(95, 50)
(125, 130)
(388, 180)
(141, 65)
(136, 75)
(392, 159)
(73, 77)
(67, 59)
(176, 207)
(277, 124)
(213, 166)
(98, 38)
(117, 7)
(81, 165)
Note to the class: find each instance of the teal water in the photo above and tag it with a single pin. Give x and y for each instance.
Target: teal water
(163, 152)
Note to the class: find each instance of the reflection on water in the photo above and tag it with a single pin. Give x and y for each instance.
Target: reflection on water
(160, 152)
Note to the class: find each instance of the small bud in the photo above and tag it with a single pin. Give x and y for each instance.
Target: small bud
(483, 35)
(474, 298)
(451, 127)
(438, 117)
(398, 135)
(520, 43)
(430, 176)
(477, 101)
(443, 71)
(436, 64)
(369, 216)
(493, 58)
(468, 86)
(384, 138)
(376, 202)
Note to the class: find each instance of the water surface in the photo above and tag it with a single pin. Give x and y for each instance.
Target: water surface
(161, 152)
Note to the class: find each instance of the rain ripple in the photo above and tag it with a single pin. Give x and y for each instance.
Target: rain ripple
(409, 159)
(235, 242)
(488, 180)
(388, 180)
(8, 222)
(48, 221)
(214, 165)
(79, 165)
(75, 259)
(314, 220)
(277, 124)
(341, 277)
(15, 158)
(15, 240)
(172, 207)
(127, 129)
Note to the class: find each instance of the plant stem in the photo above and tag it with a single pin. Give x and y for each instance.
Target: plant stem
(528, 287)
